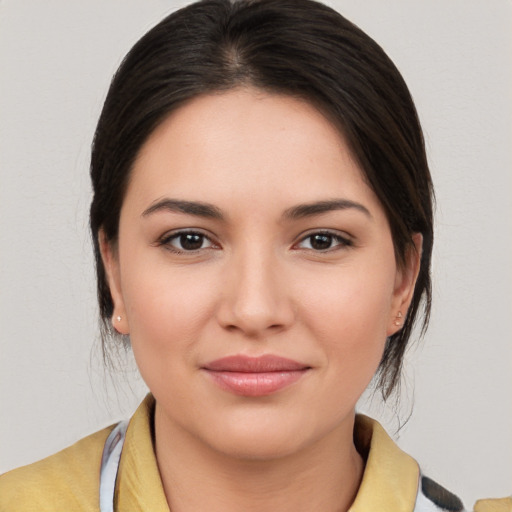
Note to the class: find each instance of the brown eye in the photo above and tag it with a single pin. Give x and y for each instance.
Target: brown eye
(187, 241)
(323, 242)
(191, 241)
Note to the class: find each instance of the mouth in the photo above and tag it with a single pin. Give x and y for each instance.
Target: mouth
(255, 376)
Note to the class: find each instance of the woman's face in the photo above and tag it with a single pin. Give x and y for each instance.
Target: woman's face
(255, 274)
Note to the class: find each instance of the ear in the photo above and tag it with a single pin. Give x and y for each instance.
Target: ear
(405, 282)
(110, 260)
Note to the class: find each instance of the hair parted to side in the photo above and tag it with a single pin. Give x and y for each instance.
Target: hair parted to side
(294, 47)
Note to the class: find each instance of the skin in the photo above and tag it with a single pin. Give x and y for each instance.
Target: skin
(258, 284)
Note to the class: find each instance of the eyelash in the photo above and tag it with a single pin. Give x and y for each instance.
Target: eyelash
(167, 239)
(341, 241)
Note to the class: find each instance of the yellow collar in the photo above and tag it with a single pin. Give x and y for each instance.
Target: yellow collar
(390, 480)
(139, 486)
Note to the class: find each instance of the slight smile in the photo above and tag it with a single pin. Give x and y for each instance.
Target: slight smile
(255, 376)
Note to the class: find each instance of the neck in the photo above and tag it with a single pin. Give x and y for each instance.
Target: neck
(323, 476)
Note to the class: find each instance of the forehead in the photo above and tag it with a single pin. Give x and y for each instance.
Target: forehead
(249, 143)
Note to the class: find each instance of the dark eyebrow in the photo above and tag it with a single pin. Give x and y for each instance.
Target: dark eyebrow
(188, 207)
(319, 207)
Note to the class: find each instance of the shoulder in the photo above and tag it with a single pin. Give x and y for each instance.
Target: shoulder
(433, 497)
(68, 480)
(393, 480)
(496, 505)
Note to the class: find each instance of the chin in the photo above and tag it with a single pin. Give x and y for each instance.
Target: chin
(261, 437)
(258, 446)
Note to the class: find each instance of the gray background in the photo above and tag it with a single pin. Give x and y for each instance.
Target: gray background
(56, 60)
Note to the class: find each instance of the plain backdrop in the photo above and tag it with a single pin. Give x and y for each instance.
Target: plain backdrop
(56, 61)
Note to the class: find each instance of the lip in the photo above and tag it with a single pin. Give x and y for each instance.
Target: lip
(255, 376)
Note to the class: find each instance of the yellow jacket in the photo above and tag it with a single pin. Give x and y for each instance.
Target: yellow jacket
(69, 480)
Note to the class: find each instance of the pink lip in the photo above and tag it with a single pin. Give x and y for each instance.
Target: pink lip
(255, 376)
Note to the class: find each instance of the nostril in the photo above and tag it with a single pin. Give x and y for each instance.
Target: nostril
(254, 303)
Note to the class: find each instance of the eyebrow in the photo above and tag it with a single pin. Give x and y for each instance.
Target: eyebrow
(317, 208)
(210, 211)
(189, 207)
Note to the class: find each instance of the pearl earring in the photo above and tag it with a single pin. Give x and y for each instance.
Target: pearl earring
(118, 318)
(398, 322)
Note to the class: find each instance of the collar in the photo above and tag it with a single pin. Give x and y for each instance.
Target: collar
(139, 486)
(390, 478)
(389, 484)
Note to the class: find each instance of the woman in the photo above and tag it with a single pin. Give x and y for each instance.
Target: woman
(262, 220)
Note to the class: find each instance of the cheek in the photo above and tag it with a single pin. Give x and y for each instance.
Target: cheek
(352, 299)
(349, 316)
(166, 309)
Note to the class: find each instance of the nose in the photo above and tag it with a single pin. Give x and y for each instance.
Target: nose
(255, 299)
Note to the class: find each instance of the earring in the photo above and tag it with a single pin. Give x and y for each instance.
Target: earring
(398, 323)
(116, 320)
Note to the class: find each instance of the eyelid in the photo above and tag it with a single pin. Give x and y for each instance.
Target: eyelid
(344, 239)
(168, 236)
